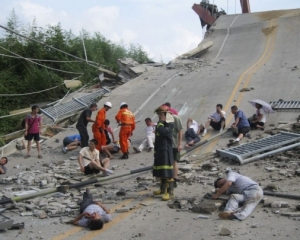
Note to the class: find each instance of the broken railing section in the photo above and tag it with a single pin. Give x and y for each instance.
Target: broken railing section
(285, 105)
(260, 148)
(60, 111)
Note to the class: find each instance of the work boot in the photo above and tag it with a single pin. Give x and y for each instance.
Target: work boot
(162, 188)
(125, 156)
(169, 194)
(227, 215)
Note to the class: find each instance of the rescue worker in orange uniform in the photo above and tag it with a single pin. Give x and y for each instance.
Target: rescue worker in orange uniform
(126, 120)
(99, 126)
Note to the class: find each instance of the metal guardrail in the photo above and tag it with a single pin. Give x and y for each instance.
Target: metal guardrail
(76, 104)
(285, 105)
(242, 152)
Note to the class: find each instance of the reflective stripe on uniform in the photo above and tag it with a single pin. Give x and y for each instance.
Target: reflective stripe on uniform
(162, 167)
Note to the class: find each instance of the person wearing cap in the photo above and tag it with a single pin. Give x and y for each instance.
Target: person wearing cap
(83, 120)
(126, 120)
(172, 110)
(99, 127)
(244, 192)
(163, 153)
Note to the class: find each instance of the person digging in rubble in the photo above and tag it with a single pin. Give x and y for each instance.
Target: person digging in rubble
(240, 127)
(89, 160)
(192, 132)
(71, 142)
(163, 153)
(244, 192)
(3, 161)
(150, 137)
(216, 120)
(92, 214)
(258, 120)
(99, 127)
(126, 120)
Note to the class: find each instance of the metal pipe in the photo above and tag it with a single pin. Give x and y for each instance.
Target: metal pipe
(268, 153)
(62, 188)
(283, 195)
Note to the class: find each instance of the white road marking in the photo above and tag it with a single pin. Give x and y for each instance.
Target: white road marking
(228, 29)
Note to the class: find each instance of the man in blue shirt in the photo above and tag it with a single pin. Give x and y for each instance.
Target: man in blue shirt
(241, 124)
(71, 142)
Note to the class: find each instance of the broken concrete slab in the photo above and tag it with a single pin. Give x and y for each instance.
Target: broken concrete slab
(205, 207)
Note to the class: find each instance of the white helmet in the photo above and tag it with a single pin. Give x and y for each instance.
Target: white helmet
(123, 103)
(108, 104)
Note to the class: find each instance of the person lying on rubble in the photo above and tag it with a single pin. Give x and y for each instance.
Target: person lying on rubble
(89, 160)
(3, 161)
(244, 192)
(240, 127)
(92, 214)
(113, 148)
(192, 132)
(71, 142)
(150, 137)
(258, 120)
(216, 120)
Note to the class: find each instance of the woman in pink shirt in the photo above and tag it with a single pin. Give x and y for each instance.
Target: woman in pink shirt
(33, 128)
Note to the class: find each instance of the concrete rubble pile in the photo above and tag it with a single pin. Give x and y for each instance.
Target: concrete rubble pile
(58, 204)
(189, 65)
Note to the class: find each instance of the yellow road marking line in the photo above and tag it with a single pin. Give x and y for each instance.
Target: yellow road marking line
(76, 229)
(112, 223)
(248, 74)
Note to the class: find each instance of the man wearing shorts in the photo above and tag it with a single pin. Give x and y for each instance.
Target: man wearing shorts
(240, 127)
(89, 160)
(71, 142)
(33, 128)
(216, 120)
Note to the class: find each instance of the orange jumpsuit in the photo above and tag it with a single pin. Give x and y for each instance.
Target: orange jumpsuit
(127, 121)
(99, 123)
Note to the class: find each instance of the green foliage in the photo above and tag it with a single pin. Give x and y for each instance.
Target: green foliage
(19, 75)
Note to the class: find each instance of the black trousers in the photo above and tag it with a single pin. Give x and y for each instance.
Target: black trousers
(84, 137)
(86, 201)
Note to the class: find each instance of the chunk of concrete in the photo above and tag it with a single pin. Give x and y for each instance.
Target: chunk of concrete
(225, 232)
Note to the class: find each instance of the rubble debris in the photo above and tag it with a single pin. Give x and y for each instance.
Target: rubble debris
(131, 68)
(225, 232)
(207, 207)
(271, 187)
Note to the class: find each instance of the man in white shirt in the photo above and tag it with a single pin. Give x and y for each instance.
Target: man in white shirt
(89, 160)
(216, 120)
(149, 140)
(244, 191)
(92, 214)
(192, 132)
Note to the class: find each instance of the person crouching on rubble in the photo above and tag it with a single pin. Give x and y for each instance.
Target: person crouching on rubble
(92, 214)
(163, 153)
(244, 191)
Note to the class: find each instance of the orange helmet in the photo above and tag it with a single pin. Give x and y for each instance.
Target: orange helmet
(162, 108)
